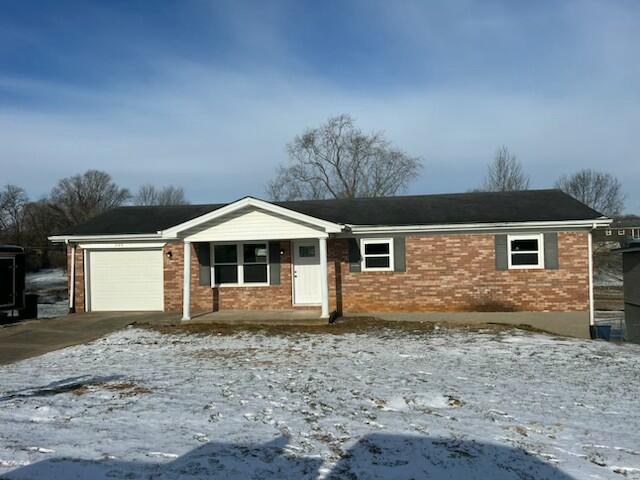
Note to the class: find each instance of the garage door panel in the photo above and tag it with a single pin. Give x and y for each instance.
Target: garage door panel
(126, 280)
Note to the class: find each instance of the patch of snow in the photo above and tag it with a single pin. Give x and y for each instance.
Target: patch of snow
(494, 404)
(607, 278)
(51, 287)
(46, 278)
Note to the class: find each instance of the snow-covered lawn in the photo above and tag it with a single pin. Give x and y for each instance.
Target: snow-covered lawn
(51, 286)
(390, 403)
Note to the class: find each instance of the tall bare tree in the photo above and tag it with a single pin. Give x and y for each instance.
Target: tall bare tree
(13, 202)
(80, 197)
(151, 195)
(338, 160)
(505, 173)
(601, 191)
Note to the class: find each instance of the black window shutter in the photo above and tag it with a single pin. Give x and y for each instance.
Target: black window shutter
(399, 260)
(203, 252)
(354, 255)
(551, 251)
(274, 263)
(502, 262)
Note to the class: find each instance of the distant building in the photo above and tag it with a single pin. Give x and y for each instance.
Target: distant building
(621, 231)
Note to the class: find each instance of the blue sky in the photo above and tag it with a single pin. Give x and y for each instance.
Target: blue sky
(207, 94)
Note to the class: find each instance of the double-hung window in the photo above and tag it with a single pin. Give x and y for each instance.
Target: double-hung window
(377, 254)
(526, 251)
(240, 263)
(255, 267)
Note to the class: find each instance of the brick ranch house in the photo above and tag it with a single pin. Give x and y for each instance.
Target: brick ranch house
(508, 257)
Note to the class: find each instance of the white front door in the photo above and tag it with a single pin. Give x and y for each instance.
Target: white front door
(306, 273)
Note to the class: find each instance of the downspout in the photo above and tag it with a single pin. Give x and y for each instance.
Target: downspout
(591, 305)
(72, 283)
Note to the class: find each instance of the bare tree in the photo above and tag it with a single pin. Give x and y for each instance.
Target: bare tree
(13, 201)
(151, 195)
(339, 160)
(78, 198)
(601, 191)
(505, 173)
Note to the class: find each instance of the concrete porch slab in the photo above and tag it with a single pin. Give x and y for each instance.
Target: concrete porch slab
(260, 317)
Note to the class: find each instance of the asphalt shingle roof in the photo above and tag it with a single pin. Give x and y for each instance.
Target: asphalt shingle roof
(473, 207)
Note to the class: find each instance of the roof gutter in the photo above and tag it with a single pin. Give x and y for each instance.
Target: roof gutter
(104, 238)
(587, 224)
(367, 229)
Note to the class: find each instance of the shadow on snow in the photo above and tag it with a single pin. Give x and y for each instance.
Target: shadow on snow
(376, 456)
(60, 386)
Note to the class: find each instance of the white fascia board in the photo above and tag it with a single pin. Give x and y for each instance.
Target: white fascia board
(121, 245)
(103, 238)
(329, 227)
(586, 224)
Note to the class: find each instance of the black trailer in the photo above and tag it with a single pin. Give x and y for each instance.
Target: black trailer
(631, 272)
(12, 278)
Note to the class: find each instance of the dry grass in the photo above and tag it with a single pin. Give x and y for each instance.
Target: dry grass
(125, 389)
(362, 325)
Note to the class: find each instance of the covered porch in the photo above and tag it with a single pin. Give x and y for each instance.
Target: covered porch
(253, 256)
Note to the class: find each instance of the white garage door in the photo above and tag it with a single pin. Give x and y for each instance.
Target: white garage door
(125, 280)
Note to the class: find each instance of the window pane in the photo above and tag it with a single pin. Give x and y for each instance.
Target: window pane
(524, 245)
(255, 274)
(307, 251)
(524, 259)
(376, 248)
(226, 274)
(255, 253)
(376, 262)
(225, 254)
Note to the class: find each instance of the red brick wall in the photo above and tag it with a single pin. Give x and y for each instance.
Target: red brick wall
(201, 296)
(457, 273)
(79, 277)
(206, 299)
(444, 273)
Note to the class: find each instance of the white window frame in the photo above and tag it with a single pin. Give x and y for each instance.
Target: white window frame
(363, 264)
(608, 232)
(240, 265)
(621, 232)
(540, 238)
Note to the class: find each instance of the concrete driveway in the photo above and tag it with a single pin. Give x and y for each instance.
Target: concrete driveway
(35, 337)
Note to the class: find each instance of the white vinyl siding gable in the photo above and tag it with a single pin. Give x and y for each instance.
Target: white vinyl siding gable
(253, 224)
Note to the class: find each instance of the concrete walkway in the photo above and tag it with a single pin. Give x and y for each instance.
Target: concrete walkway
(259, 317)
(36, 337)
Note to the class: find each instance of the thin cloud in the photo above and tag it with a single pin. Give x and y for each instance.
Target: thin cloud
(219, 126)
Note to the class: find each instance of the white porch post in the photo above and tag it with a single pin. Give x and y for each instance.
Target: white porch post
(591, 305)
(72, 283)
(324, 281)
(186, 282)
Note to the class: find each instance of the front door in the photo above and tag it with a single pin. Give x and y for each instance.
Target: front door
(306, 273)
